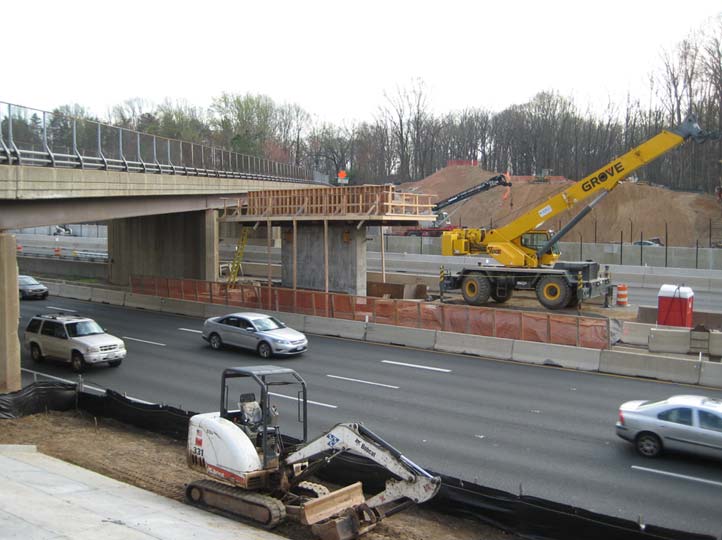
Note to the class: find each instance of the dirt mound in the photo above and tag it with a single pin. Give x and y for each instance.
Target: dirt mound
(631, 208)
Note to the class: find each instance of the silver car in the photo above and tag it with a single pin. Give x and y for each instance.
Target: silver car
(29, 287)
(682, 423)
(262, 333)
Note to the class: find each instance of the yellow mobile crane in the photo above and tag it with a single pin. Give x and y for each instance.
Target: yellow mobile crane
(527, 256)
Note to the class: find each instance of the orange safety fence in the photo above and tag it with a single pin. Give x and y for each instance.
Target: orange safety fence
(483, 321)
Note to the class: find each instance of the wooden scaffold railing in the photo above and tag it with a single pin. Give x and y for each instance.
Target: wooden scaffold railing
(362, 202)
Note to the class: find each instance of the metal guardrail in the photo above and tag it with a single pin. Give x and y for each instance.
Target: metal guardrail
(46, 139)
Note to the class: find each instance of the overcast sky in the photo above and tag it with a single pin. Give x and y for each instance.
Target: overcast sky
(337, 58)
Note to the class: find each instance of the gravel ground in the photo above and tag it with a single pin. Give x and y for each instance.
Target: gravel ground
(157, 463)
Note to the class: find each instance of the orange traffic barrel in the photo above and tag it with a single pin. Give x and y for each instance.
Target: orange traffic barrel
(622, 296)
(56, 251)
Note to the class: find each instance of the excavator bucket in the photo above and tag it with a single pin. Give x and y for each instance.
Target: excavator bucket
(316, 510)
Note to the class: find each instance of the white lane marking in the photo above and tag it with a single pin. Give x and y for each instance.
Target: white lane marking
(363, 382)
(416, 366)
(191, 330)
(62, 309)
(296, 399)
(675, 475)
(143, 341)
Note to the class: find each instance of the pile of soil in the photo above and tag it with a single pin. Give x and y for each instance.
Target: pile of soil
(688, 215)
(158, 464)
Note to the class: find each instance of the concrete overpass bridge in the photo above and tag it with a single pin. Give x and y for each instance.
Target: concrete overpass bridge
(159, 196)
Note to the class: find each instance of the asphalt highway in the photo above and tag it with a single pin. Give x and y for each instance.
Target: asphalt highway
(546, 431)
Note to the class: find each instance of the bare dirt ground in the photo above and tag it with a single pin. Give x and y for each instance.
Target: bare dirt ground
(157, 463)
(645, 208)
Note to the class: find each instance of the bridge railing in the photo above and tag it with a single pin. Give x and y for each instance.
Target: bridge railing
(41, 138)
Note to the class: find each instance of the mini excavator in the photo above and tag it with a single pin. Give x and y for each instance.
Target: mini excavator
(260, 475)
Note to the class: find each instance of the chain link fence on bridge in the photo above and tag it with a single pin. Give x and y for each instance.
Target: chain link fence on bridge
(50, 139)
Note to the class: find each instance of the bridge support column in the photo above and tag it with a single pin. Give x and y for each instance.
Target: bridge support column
(183, 245)
(9, 315)
(346, 257)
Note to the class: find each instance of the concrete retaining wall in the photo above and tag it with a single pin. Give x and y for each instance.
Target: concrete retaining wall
(489, 347)
(653, 366)
(62, 267)
(399, 335)
(556, 355)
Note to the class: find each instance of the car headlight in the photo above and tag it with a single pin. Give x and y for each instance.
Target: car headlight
(281, 341)
(93, 349)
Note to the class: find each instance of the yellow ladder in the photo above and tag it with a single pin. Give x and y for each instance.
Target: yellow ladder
(238, 258)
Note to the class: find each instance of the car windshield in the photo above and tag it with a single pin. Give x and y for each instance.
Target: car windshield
(269, 323)
(83, 328)
(27, 280)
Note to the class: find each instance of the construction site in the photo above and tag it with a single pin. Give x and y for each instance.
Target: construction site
(467, 269)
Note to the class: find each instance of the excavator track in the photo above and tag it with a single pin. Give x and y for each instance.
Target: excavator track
(236, 503)
(311, 489)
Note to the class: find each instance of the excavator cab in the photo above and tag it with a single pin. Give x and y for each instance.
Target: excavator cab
(259, 418)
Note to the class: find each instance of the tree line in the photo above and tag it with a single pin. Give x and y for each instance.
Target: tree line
(405, 141)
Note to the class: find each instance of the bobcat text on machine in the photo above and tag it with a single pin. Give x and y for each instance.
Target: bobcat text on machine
(528, 258)
(263, 476)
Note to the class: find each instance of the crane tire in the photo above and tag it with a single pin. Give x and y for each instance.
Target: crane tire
(475, 289)
(553, 292)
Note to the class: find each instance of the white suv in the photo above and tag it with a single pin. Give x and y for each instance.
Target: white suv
(78, 340)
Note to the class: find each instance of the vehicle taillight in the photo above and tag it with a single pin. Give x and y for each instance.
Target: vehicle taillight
(621, 417)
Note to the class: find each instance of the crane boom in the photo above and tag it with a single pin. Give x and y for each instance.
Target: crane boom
(498, 180)
(503, 243)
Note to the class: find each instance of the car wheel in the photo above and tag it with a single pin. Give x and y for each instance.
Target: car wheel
(648, 445)
(35, 353)
(114, 363)
(45, 296)
(77, 362)
(215, 341)
(264, 350)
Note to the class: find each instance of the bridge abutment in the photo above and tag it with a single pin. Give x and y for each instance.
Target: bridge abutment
(181, 245)
(10, 380)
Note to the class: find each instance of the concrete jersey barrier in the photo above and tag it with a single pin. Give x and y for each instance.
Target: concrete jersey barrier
(666, 340)
(556, 355)
(400, 335)
(489, 347)
(335, 327)
(664, 368)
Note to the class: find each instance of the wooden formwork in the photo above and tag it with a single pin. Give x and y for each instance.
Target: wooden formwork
(366, 203)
